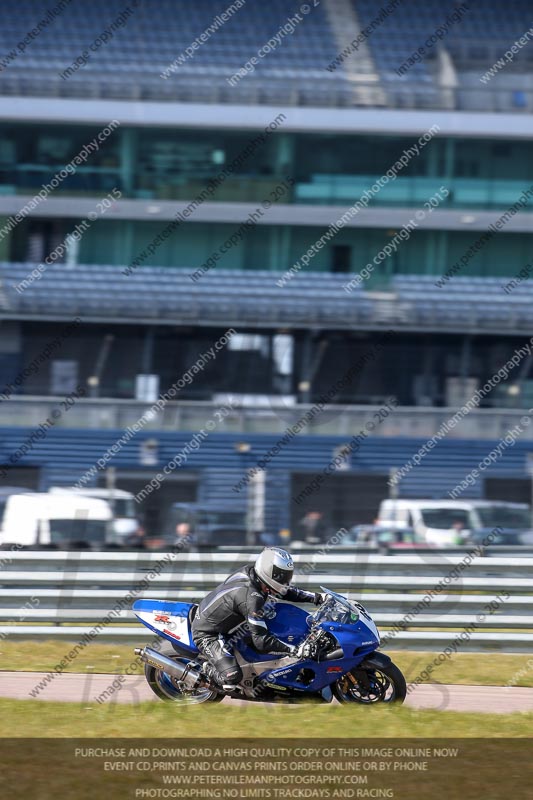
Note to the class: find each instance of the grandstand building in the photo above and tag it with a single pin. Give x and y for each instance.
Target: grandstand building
(357, 203)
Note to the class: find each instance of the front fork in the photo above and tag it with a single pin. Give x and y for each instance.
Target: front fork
(359, 676)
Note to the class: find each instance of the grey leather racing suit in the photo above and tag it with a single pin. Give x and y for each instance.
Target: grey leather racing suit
(239, 601)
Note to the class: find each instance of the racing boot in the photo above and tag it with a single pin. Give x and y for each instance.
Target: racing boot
(213, 675)
(216, 680)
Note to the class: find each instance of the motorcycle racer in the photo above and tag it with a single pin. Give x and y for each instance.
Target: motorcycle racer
(241, 599)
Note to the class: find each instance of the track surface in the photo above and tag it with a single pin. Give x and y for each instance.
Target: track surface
(86, 688)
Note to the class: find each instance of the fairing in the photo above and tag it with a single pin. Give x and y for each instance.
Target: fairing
(288, 622)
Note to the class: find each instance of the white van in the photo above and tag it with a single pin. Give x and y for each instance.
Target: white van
(125, 521)
(451, 522)
(39, 518)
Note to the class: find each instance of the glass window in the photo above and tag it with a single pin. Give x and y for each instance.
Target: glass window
(493, 516)
(77, 530)
(124, 508)
(445, 518)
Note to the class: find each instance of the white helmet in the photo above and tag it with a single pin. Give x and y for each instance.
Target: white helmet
(275, 568)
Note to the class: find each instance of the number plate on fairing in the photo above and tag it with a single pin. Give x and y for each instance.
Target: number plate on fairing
(170, 619)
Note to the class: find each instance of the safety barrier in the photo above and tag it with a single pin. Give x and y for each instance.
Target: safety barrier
(419, 601)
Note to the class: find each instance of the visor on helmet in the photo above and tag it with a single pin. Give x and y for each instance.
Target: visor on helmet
(283, 576)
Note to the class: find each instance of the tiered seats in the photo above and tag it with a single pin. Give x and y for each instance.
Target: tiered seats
(130, 64)
(467, 302)
(170, 294)
(482, 35)
(486, 22)
(227, 297)
(155, 33)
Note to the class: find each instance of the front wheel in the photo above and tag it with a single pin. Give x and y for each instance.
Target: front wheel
(167, 688)
(385, 684)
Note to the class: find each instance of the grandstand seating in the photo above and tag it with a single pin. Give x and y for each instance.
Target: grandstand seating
(130, 64)
(483, 34)
(412, 23)
(155, 34)
(254, 298)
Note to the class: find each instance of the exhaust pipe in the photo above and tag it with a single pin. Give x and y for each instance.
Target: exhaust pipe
(182, 672)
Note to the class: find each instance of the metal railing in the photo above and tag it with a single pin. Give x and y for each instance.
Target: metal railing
(66, 594)
(334, 420)
(274, 91)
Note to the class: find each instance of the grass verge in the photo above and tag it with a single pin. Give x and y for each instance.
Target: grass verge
(48, 720)
(484, 669)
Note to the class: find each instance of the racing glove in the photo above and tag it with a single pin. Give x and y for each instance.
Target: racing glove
(320, 598)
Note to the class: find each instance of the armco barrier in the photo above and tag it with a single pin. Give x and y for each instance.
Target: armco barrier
(46, 594)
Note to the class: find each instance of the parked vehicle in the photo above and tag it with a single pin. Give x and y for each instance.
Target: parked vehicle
(343, 660)
(5, 493)
(125, 526)
(41, 519)
(452, 522)
(380, 535)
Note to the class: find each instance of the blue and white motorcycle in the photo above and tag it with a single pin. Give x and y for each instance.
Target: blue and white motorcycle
(343, 658)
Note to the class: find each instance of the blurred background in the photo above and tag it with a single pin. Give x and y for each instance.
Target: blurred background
(164, 167)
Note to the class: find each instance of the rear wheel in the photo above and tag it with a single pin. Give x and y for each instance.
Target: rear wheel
(385, 684)
(168, 688)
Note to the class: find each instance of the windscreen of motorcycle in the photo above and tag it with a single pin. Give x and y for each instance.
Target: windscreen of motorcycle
(333, 611)
(367, 621)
